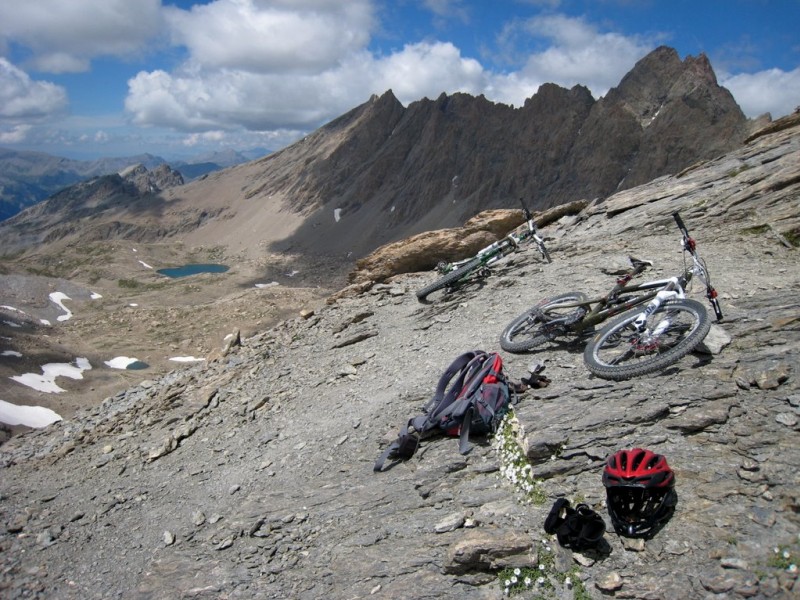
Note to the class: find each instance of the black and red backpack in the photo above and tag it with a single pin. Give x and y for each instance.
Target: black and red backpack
(472, 397)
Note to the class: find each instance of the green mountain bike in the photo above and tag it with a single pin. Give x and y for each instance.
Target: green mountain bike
(655, 325)
(454, 274)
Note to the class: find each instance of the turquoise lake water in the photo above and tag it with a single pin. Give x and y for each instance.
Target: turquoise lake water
(187, 270)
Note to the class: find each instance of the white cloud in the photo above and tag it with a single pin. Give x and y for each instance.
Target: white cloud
(272, 36)
(573, 52)
(428, 69)
(14, 135)
(772, 91)
(228, 99)
(64, 35)
(23, 99)
(266, 71)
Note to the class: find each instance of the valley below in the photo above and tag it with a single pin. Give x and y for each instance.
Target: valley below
(120, 307)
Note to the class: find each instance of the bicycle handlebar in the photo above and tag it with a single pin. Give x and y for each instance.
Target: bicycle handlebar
(690, 245)
(679, 221)
(526, 210)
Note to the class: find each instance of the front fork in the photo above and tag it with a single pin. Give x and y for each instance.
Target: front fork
(673, 291)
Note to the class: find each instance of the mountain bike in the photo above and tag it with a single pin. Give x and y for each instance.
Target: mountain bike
(456, 273)
(644, 339)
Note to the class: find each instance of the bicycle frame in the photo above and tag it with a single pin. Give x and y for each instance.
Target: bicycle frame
(499, 249)
(624, 297)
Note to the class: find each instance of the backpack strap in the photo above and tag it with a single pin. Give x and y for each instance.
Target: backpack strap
(463, 437)
(402, 448)
(457, 369)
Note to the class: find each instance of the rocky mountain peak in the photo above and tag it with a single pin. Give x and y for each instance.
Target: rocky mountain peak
(382, 171)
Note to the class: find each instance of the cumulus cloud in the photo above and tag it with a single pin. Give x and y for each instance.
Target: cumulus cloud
(749, 90)
(226, 98)
(274, 36)
(23, 99)
(15, 134)
(428, 69)
(568, 51)
(64, 35)
(259, 80)
(269, 70)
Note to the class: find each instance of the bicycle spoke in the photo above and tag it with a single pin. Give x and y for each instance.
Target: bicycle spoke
(621, 351)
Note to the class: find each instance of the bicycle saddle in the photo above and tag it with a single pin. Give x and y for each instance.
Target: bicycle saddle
(640, 264)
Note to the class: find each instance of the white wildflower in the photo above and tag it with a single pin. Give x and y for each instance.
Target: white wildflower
(517, 571)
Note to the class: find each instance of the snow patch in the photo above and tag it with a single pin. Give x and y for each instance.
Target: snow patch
(145, 265)
(121, 362)
(11, 353)
(337, 214)
(267, 285)
(186, 359)
(46, 382)
(58, 298)
(30, 416)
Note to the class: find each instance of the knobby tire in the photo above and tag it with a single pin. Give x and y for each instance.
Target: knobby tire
(619, 352)
(448, 280)
(532, 328)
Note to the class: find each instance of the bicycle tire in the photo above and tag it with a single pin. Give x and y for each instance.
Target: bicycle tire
(449, 279)
(606, 354)
(529, 330)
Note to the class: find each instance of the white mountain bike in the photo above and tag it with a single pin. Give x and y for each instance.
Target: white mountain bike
(638, 342)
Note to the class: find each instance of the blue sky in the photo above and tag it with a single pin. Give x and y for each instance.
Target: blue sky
(177, 78)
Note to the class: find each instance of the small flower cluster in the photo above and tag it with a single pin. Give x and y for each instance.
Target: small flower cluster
(518, 580)
(782, 559)
(514, 465)
(543, 578)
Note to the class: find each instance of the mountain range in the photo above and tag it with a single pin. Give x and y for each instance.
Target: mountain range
(382, 172)
(291, 225)
(27, 178)
(250, 474)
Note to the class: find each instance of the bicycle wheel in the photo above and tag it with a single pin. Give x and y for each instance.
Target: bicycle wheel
(448, 280)
(619, 351)
(543, 323)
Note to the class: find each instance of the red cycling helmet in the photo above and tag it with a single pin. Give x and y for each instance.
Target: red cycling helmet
(640, 491)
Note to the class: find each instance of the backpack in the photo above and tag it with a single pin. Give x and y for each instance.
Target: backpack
(473, 396)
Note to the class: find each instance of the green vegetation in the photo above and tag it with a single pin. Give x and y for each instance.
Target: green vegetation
(782, 558)
(132, 284)
(543, 579)
(738, 171)
(793, 237)
(514, 465)
(756, 230)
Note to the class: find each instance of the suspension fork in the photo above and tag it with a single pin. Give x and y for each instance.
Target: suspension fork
(671, 291)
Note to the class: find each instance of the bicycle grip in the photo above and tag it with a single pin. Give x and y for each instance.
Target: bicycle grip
(679, 221)
(525, 210)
